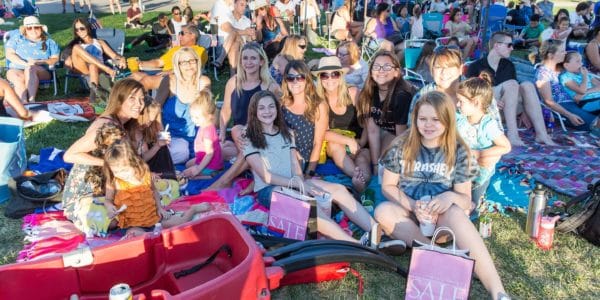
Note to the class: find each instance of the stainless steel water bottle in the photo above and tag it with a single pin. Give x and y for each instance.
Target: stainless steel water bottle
(537, 204)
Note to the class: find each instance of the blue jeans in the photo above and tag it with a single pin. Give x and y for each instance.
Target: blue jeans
(587, 117)
(26, 10)
(592, 105)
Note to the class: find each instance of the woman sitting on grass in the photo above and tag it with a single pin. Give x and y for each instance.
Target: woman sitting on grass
(125, 103)
(432, 161)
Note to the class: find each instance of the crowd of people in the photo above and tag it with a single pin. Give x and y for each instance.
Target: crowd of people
(433, 147)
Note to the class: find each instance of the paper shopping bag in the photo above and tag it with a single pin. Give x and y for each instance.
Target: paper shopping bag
(289, 214)
(439, 273)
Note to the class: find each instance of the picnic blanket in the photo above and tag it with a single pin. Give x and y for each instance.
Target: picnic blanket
(64, 110)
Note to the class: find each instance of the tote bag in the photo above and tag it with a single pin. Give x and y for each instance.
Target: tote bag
(13, 159)
(290, 212)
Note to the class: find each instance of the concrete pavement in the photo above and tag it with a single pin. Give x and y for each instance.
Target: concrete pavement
(55, 6)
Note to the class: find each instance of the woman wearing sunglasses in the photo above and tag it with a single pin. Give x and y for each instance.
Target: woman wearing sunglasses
(185, 82)
(270, 29)
(304, 112)
(294, 48)
(345, 138)
(28, 56)
(252, 78)
(85, 55)
(384, 102)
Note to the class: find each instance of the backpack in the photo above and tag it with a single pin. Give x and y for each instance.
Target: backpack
(586, 220)
(29, 193)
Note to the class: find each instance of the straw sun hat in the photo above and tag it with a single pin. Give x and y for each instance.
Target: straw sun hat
(329, 63)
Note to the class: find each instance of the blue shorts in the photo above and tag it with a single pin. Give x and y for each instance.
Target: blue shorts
(263, 196)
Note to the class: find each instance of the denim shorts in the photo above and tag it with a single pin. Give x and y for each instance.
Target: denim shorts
(263, 196)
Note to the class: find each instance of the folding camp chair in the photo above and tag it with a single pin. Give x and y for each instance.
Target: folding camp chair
(115, 38)
(51, 69)
(496, 19)
(412, 52)
(433, 25)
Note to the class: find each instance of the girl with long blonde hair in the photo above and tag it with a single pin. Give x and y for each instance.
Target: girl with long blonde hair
(428, 173)
(294, 48)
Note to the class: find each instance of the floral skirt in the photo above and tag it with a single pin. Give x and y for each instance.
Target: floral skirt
(75, 190)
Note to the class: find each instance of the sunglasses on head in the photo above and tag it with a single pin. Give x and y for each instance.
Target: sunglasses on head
(441, 49)
(295, 78)
(332, 75)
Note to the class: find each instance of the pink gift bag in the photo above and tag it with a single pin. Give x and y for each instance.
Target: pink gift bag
(289, 214)
(439, 273)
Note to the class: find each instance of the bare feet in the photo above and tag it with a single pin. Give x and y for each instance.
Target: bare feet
(516, 141)
(545, 140)
(358, 180)
(218, 185)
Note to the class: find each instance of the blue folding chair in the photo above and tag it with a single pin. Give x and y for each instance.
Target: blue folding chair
(496, 19)
(51, 69)
(412, 52)
(433, 24)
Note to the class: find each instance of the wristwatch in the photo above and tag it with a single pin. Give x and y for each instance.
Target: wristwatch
(311, 173)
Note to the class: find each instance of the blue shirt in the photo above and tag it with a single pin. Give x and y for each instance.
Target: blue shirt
(27, 49)
(568, 76)
(177, 115)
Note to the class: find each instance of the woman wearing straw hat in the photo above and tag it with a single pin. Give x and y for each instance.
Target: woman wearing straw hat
(28, 56)
(345, 138)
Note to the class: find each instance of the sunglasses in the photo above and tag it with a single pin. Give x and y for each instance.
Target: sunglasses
(295, 78)
(32, 27)
(302, 46)
(176, 14)
(185, 63)
(182, 33)
(80, 29)
(386, 67)
(509, 45)
(332, 75)
(442, 49)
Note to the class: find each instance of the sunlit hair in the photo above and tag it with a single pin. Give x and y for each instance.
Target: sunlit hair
(254, 129)
(177, 69)
(571, 55)
(149, 122)
(120, 92)
(547, 48)
(193, 29)
(478, 90)
(365, 99)
(265, 75)
(446, 57)
(353, 51)
(344, 98)
(290, 46)
(410, 141)
(122, 154)
(204, 105)
(310, 95)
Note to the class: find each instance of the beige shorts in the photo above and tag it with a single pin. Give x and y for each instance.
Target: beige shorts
(499, 93)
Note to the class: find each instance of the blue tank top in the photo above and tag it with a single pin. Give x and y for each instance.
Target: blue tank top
(177, 115)
(269, 35)
(304, 131)
(239, 104)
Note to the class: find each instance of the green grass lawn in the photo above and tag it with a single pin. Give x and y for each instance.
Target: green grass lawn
(569, 271)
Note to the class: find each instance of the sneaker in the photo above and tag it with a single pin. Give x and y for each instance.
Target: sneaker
(391, 247)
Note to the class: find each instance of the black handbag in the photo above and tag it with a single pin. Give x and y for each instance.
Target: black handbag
(29, 193)
(583, 215)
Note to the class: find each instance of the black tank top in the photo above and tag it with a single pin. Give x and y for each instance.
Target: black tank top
(347, 121)
(240, 102)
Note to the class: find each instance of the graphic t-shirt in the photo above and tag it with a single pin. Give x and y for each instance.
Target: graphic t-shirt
(397, 112)
(431, 176)
(276, 158)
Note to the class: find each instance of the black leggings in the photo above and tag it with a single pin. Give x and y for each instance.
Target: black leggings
(153, 40)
